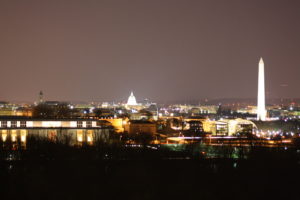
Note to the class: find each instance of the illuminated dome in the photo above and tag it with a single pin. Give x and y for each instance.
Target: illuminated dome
(131, 100)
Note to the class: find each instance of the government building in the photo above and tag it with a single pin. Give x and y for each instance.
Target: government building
(76, 131)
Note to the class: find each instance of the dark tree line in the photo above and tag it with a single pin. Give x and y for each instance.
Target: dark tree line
(52, 111)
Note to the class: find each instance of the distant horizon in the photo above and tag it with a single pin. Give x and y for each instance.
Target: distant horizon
(202, 101)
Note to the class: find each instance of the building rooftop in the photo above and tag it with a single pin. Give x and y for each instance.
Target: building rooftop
(2, 118)
(140, 122)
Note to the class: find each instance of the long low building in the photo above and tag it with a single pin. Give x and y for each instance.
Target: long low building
(76, 130)
(22, 122)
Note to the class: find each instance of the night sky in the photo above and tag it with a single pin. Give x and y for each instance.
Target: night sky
(162, 50)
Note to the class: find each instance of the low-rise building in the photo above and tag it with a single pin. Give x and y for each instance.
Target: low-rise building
(140, 126)
(228, 127)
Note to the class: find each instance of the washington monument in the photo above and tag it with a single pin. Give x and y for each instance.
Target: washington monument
(261, 102)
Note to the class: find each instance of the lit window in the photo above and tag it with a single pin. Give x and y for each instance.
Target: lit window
(13, 124)
(89, 136)
(4, 124)
(79, 124)
(4, 135)
(14, 136)
(79, 135)
(23, 124)
(89, 124)
(23, 135)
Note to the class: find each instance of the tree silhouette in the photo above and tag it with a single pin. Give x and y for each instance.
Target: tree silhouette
(43, 111)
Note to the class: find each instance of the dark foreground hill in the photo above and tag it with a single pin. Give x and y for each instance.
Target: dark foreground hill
(150, 179)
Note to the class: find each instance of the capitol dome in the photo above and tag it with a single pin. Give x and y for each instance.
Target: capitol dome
(131, 100)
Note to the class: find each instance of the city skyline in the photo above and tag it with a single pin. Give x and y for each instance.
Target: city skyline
(95, 51)
(149, 99)
(141, 99)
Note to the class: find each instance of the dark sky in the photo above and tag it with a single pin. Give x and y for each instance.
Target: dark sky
(162, 50)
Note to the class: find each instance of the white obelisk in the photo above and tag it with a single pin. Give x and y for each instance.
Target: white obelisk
(261, 102)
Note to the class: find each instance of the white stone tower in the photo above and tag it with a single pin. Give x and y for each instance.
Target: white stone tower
(261, 101)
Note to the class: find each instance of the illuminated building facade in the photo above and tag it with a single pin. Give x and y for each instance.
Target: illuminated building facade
(8, 109)
(76, 130)
(139, 126)
(117, 123)
(229, 127)
(195, 126)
